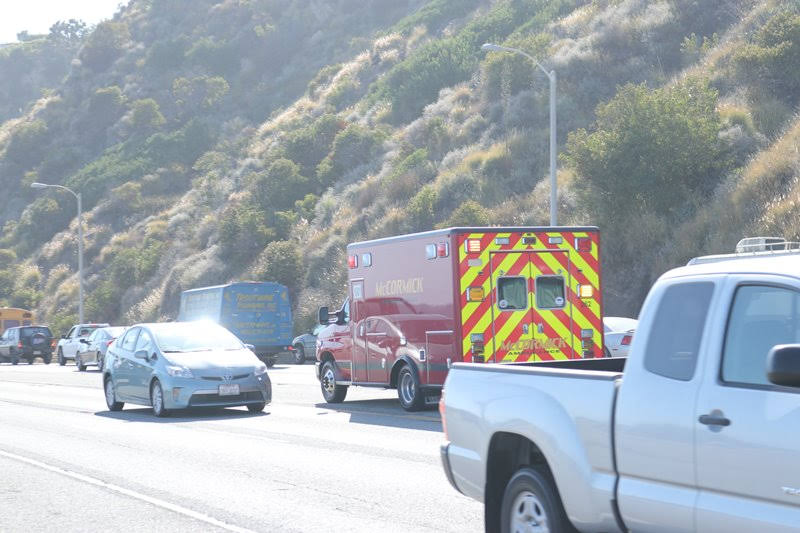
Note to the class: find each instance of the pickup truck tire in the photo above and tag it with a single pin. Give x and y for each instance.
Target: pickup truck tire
(61, 360)
(531, 503)
(30, 360)
(47, 358)
(79, 363)
(270, 361)
(408, 390)
(331, 391)
(299, 354)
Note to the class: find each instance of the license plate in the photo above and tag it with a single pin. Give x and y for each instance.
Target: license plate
(228, 390)
(37, 352)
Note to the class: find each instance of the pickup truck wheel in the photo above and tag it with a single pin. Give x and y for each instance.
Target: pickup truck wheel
(408, 390)
(269, 361)
(79, 363)
(111, 399)
(332, 392)
(14, 360)
(531, 503)
(30, 360)
(47, 358)
(61, 360)
(299, 354)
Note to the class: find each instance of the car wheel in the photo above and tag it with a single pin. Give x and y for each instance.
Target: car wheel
(299, 355)
(14, 360)
(531, 503)
(100, 362)
(111, 398)
(79, 363)
(408, 390)
(157, 400)
(48, 358)
(332, 392)
(61, 360)
(256, 407)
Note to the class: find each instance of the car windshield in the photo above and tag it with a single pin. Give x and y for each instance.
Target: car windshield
(616, 323)
(30, 332)
(115, 331)
(194, 337)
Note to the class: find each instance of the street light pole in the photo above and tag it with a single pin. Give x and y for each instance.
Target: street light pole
(551, 75)
(78, 197)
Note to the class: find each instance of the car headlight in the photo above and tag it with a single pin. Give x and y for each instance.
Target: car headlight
(260, 370)
(179, 372)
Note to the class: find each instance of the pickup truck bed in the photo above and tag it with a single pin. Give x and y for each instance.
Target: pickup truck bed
(494, 405)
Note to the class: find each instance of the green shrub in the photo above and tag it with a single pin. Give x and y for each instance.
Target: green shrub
(470, 213)
(654, 148)
(28, 145)
(308, 146)
(104, 45)
(146, 116)
(420, 209)
(352, 147)
(280, 262)
(280, 185)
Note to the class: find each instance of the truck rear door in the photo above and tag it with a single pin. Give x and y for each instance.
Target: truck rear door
(747, 429)
(531, 311)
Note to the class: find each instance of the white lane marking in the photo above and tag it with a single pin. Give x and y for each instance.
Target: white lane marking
(127, 492)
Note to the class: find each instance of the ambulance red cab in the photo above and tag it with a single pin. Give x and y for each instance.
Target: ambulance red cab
(418, 303)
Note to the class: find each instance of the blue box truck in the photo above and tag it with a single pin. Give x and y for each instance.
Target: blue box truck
(259, 313)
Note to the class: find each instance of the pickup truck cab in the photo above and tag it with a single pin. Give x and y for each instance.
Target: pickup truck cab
(698, 430)
(70, 344)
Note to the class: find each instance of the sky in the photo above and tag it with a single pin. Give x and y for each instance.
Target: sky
(36, 16)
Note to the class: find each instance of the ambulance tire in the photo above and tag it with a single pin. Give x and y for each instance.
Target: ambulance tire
(408, 390)
(331, 391)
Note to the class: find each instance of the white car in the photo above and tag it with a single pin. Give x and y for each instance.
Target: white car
(618, 334)
(70, 343)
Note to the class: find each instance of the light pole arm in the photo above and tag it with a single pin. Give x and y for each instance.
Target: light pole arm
(498, 48)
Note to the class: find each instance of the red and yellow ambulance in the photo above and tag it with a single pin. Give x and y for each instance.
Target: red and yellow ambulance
(418, 303)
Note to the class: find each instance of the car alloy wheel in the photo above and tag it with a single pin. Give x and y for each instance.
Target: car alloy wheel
(111, 399)
(157, 400)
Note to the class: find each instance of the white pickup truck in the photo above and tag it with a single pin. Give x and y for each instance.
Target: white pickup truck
(700, 433)
(70, 344)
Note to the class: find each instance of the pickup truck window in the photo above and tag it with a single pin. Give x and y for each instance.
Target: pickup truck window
(549, 292)
(760, 318)
(512, 293)
(677, 330)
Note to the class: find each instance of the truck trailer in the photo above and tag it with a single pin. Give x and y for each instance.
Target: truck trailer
(259, 313)
(419, 303)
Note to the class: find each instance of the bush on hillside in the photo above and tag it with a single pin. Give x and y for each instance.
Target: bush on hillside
(280, 262)
(772, 60)
(104, 45)
(280, 185)
(309, 145)
(656, 148)
(146, 116)
(470, 213)
(354, 146)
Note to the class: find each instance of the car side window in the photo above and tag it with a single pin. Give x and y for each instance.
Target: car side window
(760, 318)
(129, 342)
(674, 340)
(145, 342)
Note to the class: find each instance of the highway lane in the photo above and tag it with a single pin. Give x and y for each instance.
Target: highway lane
(68, 464)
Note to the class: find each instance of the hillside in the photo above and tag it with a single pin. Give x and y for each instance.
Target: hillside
(253, 139)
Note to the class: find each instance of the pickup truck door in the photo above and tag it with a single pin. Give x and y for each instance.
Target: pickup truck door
(748, 430)
(655, 423)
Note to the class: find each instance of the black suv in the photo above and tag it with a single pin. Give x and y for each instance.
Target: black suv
(26, 342)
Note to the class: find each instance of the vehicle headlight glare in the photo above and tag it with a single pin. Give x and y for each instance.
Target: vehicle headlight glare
(260, 370)
(179, 372)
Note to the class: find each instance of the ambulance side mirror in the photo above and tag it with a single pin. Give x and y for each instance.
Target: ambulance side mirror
(324, 316)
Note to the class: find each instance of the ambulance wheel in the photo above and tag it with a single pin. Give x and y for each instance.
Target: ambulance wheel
(408, 390)
(331, 391)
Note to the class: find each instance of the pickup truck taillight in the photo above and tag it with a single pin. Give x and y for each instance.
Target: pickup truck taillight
(19, 344)
(441, 412)
(626, 340)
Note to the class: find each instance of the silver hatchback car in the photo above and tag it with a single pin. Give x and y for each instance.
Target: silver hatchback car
(177, 365)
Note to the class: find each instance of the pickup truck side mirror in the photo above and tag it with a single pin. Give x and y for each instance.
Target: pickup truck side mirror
(783, 365)
(141, 354)
(324, 316)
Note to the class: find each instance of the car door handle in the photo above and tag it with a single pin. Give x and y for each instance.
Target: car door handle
(714, 419)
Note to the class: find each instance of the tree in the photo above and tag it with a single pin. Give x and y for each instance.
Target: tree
(146, 115)
(650, 149)
(281, 185)
(70, 33)
(104, 45)
(280, 262)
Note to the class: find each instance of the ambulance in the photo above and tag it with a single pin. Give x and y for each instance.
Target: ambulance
(418, 303)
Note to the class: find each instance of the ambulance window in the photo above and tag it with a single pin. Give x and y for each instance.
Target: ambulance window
(549, 292)
(512, 293)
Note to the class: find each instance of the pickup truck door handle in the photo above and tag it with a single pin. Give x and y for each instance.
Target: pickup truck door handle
(714, 419)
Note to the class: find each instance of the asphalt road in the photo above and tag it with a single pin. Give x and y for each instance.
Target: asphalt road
(68, 464)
